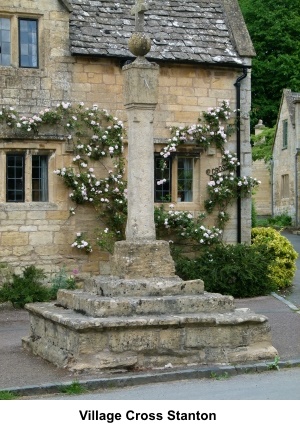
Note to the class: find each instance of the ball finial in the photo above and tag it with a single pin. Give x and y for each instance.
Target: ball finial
(139, 44)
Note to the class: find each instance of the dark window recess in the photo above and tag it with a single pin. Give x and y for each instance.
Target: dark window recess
(28, 43)
(39, 178)
(15, 180)
(285, 134)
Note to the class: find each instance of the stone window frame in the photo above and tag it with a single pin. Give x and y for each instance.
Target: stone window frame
(14, 40)
(285, 186)
(28, 180)
(36, 45)
(176, 195)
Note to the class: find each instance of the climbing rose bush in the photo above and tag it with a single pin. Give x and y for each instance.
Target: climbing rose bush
(184, 225)
(224, 187)
(97, 136)
(205, 133)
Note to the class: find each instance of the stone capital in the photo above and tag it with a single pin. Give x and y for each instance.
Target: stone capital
(141, 84)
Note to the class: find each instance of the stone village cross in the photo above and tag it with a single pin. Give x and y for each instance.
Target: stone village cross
(144, 315)
(141, 255)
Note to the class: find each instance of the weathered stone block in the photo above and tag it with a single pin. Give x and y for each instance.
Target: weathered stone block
(28, 228)
(137, 76)
(21, 250)
(216, 336)
(91, 343)
(14, 239)
(147, 259)
(111, 286)
(41, 238)
(171, 339)
(16, 215)
(31, 215)
(49, 250)
(134, 339)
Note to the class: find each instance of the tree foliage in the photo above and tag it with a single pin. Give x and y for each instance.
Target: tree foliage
(274, 27)
(263, 145)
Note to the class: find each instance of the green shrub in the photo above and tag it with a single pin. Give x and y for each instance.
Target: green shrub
(62, 281)
(283, 265)
(282, 220)
(278, 221)
(25, 288)
(238, 270)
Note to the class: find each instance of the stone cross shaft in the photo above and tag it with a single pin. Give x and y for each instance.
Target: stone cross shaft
(140, 100)
(138, 10)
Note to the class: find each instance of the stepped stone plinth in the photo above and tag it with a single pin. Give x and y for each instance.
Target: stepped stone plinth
(116, 323)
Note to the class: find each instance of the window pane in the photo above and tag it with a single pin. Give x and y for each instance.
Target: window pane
(39, 178)
(28, 42)
(15, 178)
(5, 24)
(185, 179)
(162, 180)
(19, 172)
(4, 41)
(5, 48)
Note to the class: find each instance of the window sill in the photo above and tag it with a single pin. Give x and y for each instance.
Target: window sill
(32, 206)
(25, 71)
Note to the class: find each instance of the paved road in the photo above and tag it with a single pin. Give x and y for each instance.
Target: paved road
(272, 385)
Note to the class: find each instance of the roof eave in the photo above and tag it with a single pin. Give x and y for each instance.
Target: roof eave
(67, 5)
(238, 29)
(245, 62)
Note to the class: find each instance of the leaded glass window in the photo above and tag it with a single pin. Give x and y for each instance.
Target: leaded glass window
(5, 42)
(28, 43)
(15, 177)
(39, 178)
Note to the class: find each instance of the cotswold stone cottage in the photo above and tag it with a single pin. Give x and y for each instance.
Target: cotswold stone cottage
(73, 51)
(261, 170)
(286, 152)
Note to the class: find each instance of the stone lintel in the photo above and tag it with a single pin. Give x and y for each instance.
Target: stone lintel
(142, 259)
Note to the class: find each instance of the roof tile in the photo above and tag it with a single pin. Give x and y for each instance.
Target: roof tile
(189, 30)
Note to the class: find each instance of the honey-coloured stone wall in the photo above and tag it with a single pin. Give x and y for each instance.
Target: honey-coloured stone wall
(42, 233)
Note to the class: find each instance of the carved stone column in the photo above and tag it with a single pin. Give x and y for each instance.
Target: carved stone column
(140, 88)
